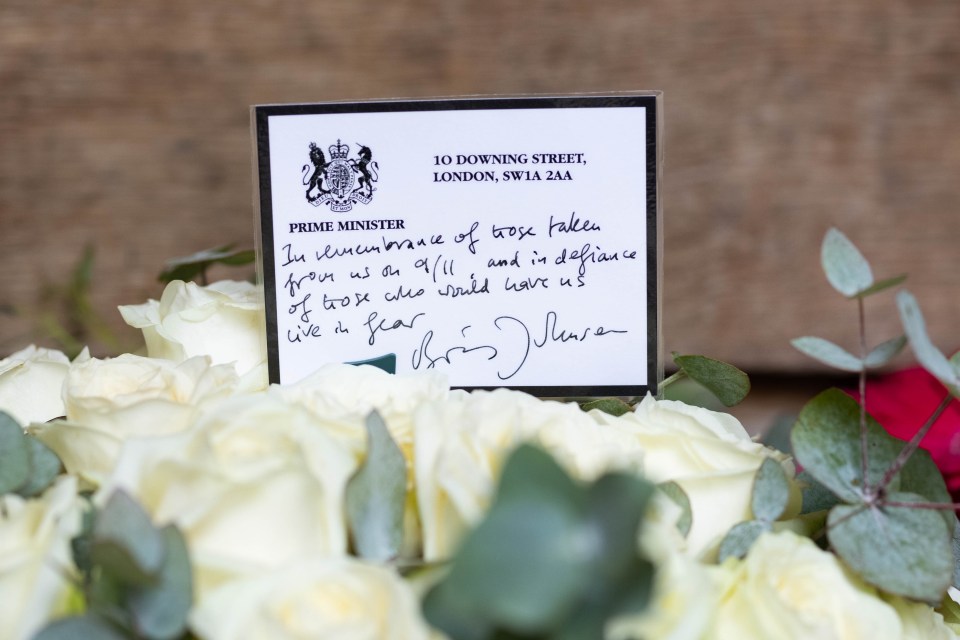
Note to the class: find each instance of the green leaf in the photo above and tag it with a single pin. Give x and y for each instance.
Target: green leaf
(189, 267)
(921, 476)
(14, 455)
(847, 270)
(620, 581)
(125, 542)
(375, 496)
(771, 491)
(816, 497)
(613, 406)
(532, 534)
(827, 353)
(883, 285)
(927, 354)
(590, 620)
(728, 383)
(955, 544)
(904, 551)
(44, 468)
(80, 544)
(386, 362)
(826, 442)
(885, 352)
(740, 538)
(616, 504)
(160, 612)
(676, 493)
(552, 558)
(86, 627)
(455, 612)
(777, 435)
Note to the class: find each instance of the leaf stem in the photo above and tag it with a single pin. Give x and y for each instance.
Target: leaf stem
(826, 527)
(941, 506)
(863, 400)
(680, 374)
(911, 446)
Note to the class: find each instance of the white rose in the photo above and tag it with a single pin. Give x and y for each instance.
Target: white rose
(707, 453)
(788, 588)
(329, 597)
(684, 599)
(344, 395)
(347, 393)
(460, 446)
(920, 621)
(255, 484)
(224, 320)
(30, 384)
(35, 558)
(110, 401)
(682, 607)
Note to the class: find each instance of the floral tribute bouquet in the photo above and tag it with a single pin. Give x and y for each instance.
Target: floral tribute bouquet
(177, 495)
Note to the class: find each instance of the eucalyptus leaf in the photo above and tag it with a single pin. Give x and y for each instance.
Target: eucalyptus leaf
(827, 353)
(620, 581)
(901, 550)
(80, 544)
(883, 285)
(927, 354)
(615, 508)
(740, 538)
(777, 436)
(816, 497)
(160, 612)
(921, 476)
(456, 613)
(125, 543)
(728, 383)
(845, 267)
(386, 362)
(525, 565)
(612, 406)
(375, 496)
(85, 627)
(44, 468)
(676, 493)
(590, 620)
(551, 559)
(14, 455)
(885, 352)
(826, 442)
(955, 544)
(771, 491)
(189, 267)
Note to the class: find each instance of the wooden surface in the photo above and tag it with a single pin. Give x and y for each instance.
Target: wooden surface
(125, 125)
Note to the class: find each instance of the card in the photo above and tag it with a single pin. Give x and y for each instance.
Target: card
(507, 242)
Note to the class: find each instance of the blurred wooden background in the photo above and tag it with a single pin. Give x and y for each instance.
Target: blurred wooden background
(125, 126)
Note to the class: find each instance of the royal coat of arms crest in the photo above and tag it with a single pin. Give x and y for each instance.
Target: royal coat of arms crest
(341, 181)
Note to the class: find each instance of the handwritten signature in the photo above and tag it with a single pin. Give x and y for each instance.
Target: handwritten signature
(514, 354)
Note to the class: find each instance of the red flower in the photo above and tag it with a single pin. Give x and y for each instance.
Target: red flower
(903, 401)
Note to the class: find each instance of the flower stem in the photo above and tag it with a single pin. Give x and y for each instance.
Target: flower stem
(863, 399)
(911, 446)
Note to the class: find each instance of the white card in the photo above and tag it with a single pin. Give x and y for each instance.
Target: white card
(505, 242)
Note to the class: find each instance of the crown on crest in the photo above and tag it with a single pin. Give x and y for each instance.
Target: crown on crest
(339, 151)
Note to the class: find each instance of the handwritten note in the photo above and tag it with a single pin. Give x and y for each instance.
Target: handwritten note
(504, 242)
